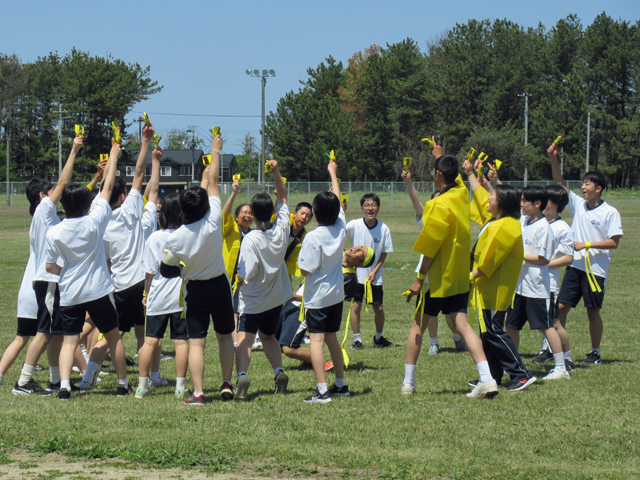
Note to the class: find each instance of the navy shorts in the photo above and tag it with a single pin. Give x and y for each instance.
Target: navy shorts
(48, 298)
(453, 304)
(291, 330)
(324, 320)
(266, 322)
(555, 307)
(575, 286)
(102, 312)
(129, 306)
(536, 310)
(156, 326)
(205, 300)
(376, 294)
(27, 327)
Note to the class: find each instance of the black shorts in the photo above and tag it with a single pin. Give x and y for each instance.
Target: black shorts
(27, 327)
(350, 281)
(536, 310)
(453, 304)
(102, 312)
(48, 298)
(156, 326)
(236, 299)
(266, 322)
(205, 300)
(575, 286)
(554, 307)
(129, 307)
(291, 330)
(376, 294)
(324, 320)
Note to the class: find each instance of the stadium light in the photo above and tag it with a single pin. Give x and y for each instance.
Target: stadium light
(263, 76)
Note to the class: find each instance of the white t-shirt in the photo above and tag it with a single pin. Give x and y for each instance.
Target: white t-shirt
(595, 225)
(199, 245)
(80, 243)
(261, 264)
(45, 217)
(27, 303)
(378, 238)
(124, 239)
(321, 256)
(534, 281)
(562, 245)
(164, 293)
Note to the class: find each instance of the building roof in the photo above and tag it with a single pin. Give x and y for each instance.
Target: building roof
(182, 157)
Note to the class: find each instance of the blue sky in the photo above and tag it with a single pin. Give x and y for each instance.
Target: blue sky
(199, 50)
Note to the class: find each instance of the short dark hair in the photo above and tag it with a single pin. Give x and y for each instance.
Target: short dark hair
(508, 199)
(239, 208)
(558, 195)
(194, 203)
(305, 205)
(447, 165)
(171, 213)
(76, 200)
(596, 177)
(262, 207)
(119, 188)
(535, 194)
(326, 207)
(34, 188)
(370, 196)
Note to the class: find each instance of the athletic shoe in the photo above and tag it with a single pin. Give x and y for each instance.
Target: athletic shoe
(193, 400)
(328, 366)
(318, 397)
(408, 389)
(158, 383)
(164, 356)
(460, 346)
(242, 388)
(31, 388)
(335, 391)
(484, 390)
(434, 348)
(182, 392)
(281, 382)
(473, 383)
(130, 362)
(55, 387)
(102, 373)
(568, 365)
(557, 374)
(124, 391)
(226, 390)
(89, 385)
(357, 345)
(75, 369)
(257, 343)
(542, 357)
(64, 394)
(142, 392)
(40, 368)
(592, 358)
(306, 340)
(382, 343)
(522, 384)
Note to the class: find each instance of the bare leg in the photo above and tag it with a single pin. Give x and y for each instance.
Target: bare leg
(271, 350)
(226, 353)
(53, 350)
(469, 336)
(414, 342)
(355, 318)
(378, 312)
(433, 327)
(234, 334)
(145, 355)
(157, 353)
(11, 353)
(595, 326)
(562, 333)
(317, 356)
(243, 351)
(69, 345)
(331, 339)
(139, 332)
(196, 362)
(554, 340)
(450, 324)
(78, 359)
(114, 342)
(515, 336)
(37, 348)
(303, 354)
(182, 357)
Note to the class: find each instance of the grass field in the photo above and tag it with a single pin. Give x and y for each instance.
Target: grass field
(585, 428)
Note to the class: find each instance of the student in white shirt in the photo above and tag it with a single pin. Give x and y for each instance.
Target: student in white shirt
(264, 285)
(371, 232)
(597, 230)
(85, 283)
(533, 297)
(207, 291)
(162, 303)
(320, 261)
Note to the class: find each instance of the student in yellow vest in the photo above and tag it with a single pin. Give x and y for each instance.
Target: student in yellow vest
(445, 244)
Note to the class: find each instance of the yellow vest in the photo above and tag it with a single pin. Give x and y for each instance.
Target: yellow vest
(446, 238)
(479, 204)
(292, 261)
(230, 243)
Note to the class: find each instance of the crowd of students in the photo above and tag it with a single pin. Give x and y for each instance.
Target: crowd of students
(107, 269)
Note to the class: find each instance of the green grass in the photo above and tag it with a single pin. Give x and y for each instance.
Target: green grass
(585, 428)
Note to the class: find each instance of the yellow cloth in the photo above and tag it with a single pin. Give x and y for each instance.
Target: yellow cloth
(230, 243)
(593, 282)
(499, 255)
(292, 261)
(446, 238)
(89, 186)
(478, 208)
(345, 356)
(368, 293)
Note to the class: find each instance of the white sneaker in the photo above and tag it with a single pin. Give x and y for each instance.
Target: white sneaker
(75, 369)
(182, 392)
(408, 389)
(143, 392)
(434, 348)
(256, 344)
(484, 390)
(557, 374)
(161, 382)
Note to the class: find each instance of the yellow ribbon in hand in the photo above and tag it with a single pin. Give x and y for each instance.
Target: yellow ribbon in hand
(156, 140)
(215, 131)
(145, 118)
(368, 294)
(116, 132)
(267, 167)
(420, 302)
(407, 163)
(206, 160)
(79, 130)
(593, 282)
(235, 285)
(236, 177)
(104, 156)
(345, 357)
(497, 164)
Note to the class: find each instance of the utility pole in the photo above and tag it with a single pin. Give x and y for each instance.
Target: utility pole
(192, 130)
(526, 126)
(7, 132)
(263, 77)
(561, 160)
(588, 138)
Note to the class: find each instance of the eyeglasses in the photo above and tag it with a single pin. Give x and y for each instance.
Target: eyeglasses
(369, 205)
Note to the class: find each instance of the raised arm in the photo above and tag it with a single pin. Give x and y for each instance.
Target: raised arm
(226, 211)
(471, 175)
(154, 181)
(93, 184)
(141, 164)
(67, 171)
(333, 173)
(110, 173)
(281, 188)
(214, 168)
(204, 183)
(552, 152)
(413, 193)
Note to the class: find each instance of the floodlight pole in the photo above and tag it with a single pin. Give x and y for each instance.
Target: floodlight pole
(588, 138)
(526, 127)
(263, 77)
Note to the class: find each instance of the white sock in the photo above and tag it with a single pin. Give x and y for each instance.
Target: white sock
(155, 376)
(456, 337)
(545, 344)
(54, 374)
(26, 374)
(143, 382)
(339, 382)
(1, 378)
(597, 350)
(409, 374)
(322, 387)
(198, 394)
(181, 382)
(277, 370)
(65, 384)
(235, 344)
(356, 337)
(378, 335)
(92, 368)
(434, 340)
(559, 359)
(483, 370)
(240, 374)
(567, 355)
(123, 383)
